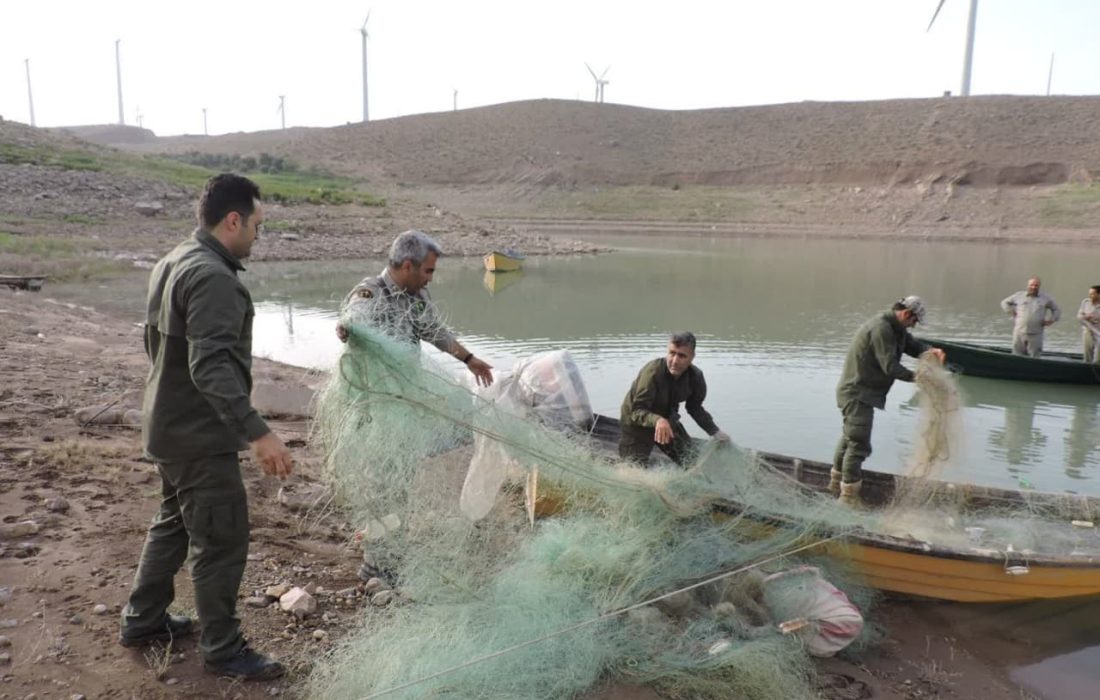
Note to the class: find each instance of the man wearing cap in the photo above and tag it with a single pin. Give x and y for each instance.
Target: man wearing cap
(1029, 309)
(872, 365)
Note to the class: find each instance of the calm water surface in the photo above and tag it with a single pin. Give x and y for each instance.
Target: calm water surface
(774, 320)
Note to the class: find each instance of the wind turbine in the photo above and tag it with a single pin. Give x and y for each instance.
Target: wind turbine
(118, 72)
(600, 82)
(281, 109)
(204, 131)
(30, 97)
(138, 115)
(363, 31)
(455, 100)
(1050, 73)
(968, 58)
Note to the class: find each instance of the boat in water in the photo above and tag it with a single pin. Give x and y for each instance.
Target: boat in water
(966, 567)
(506, 260)
(1001, 363)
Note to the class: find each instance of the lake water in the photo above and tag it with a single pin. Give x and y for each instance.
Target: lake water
(774, 319)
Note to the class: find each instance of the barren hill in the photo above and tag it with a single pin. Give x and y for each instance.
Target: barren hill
(980, 141)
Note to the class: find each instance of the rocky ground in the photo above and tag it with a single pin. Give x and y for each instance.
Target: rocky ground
(76, 496)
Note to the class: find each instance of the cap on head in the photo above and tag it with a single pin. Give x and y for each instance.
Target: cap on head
(915, 305)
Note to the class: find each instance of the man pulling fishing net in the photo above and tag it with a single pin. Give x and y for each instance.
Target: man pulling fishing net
(872, 365)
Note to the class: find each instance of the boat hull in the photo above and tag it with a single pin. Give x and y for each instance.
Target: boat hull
(499, 262)
(1000, 363)
(915, 568)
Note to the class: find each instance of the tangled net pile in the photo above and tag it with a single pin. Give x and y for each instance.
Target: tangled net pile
(633, 577)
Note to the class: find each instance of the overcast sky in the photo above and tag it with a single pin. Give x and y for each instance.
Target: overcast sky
(235, 57)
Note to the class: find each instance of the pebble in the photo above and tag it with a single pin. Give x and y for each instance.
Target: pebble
(275, 692)
(171, 681)
(382, 598)
(57, 505)
(7, 624)
(374, 585)
(277, 591)
(76, 620)
(99, 609)
(299, 602)
(319, 634)
(257, 601)
(5, 658)
(15, 530)
(78, 696)
(36, 614)
(4, 641)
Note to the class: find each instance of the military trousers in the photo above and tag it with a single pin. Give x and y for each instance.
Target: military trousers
(855, 440)
(1090, 347)
(1027, 343)
(203, 514)
(636, 444)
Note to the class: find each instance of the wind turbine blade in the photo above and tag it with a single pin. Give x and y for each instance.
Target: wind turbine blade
(935, 15)
(365, 22)
(591, 71)
(604, 72)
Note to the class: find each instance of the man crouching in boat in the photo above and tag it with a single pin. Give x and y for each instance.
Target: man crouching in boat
(650, 413)
(872, 365)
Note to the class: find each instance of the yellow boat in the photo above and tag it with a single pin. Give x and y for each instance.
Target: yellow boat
(503, 261)
(965, 574)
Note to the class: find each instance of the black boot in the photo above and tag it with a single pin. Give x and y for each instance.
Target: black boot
(247, 665)
(175, 627)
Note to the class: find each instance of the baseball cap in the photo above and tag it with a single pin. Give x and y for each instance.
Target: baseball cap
(915, 305)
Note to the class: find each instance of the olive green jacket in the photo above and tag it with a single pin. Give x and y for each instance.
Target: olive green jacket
(198, 335)
(656, 394)
(874, 361)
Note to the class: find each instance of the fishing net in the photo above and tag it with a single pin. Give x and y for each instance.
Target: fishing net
(1012, 526)
(530, 563)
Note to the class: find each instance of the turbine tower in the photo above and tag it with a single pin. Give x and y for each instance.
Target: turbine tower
(204, 131)
(138, 115)
(30, 96)
(600, 82)
(282, 110)
(118, 72)
(455, 96)
(363, 32)
(968, 57)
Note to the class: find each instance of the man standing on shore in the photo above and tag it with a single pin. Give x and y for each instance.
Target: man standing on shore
(1029, 308)
(196, 416)
(397, 303)
(650, 412)
(1089, 316)
(872, 365)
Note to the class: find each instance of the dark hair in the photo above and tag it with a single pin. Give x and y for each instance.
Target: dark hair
(900, 306)
(225, 193)
(1096, 287)
(683, 339)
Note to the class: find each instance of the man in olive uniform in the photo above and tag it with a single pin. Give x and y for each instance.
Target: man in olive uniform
(1029, 310)
(872, 365)
(650, 413)
(397, 302)
(197, 416)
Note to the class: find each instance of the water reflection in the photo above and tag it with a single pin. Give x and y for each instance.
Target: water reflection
(496, 282)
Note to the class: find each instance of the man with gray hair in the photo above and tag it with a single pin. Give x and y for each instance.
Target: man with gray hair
(397, 302)
(651, 410)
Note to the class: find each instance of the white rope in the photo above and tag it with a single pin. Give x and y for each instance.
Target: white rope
(600, 618)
